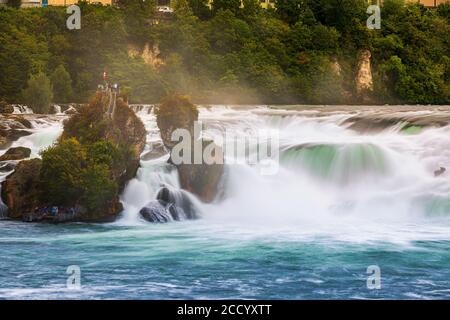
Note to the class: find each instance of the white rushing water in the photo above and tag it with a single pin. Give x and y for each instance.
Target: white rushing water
(332, 180)
(44, 133)
(21, 109)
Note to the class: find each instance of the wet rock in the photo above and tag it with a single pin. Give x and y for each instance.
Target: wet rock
(18, 153)
(156, 212)
(5, 107)
(20, 190)
(9, 166)
(71, 110)
(440, 172)
(24, 123)
(170, 205)
(12, 127)
(157, 151)
(177, 112)
(201, 179)
(181, 206)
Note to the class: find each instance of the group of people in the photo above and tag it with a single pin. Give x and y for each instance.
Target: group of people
(54, 211)
(113, 87)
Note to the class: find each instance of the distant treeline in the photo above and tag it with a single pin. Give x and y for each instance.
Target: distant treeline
(305, 51)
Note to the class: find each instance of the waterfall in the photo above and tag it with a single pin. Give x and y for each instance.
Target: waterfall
(329, 174)
(57, 109)
(151, 177)
(142, 108)
(44, 133)
(341, 163)
(21, 109)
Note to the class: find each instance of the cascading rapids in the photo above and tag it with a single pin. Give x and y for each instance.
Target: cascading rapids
(330, 177)
(338, 163)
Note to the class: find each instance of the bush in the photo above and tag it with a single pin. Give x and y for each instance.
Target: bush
(176, 110)
(62, 171)
(75, 173)
(88, 125)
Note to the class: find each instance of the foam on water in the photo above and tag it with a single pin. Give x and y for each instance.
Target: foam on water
(332, 181)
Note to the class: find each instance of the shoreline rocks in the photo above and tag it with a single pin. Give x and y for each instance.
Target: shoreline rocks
(17, 153)
(13, 127)
(20, 190)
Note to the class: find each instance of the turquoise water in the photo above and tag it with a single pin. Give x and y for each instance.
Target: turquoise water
(195, 260)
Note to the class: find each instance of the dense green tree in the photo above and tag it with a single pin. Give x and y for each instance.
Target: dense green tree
(14, 3)
(200, 8)
(250, 9)
(22, 51)
(63, 169)
(136, 15)
(444, 10)
(62, 84)
(232, 5)
(39, 94)
(291, 10)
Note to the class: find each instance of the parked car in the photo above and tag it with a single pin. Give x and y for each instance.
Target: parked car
(165, 9)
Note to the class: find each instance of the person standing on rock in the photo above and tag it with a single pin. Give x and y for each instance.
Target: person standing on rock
(54, 211)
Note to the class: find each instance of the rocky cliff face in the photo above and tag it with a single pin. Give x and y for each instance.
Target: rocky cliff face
(364, 81)
(177, 112)
(20, 191)
(150, 54)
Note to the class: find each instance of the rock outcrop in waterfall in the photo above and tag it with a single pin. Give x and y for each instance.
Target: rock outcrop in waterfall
(177, 112)
(84, 172)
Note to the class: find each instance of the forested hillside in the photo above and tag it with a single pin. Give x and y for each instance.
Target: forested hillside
(305, 51)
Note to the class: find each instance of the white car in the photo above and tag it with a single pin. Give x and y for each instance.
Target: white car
(165, 9)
